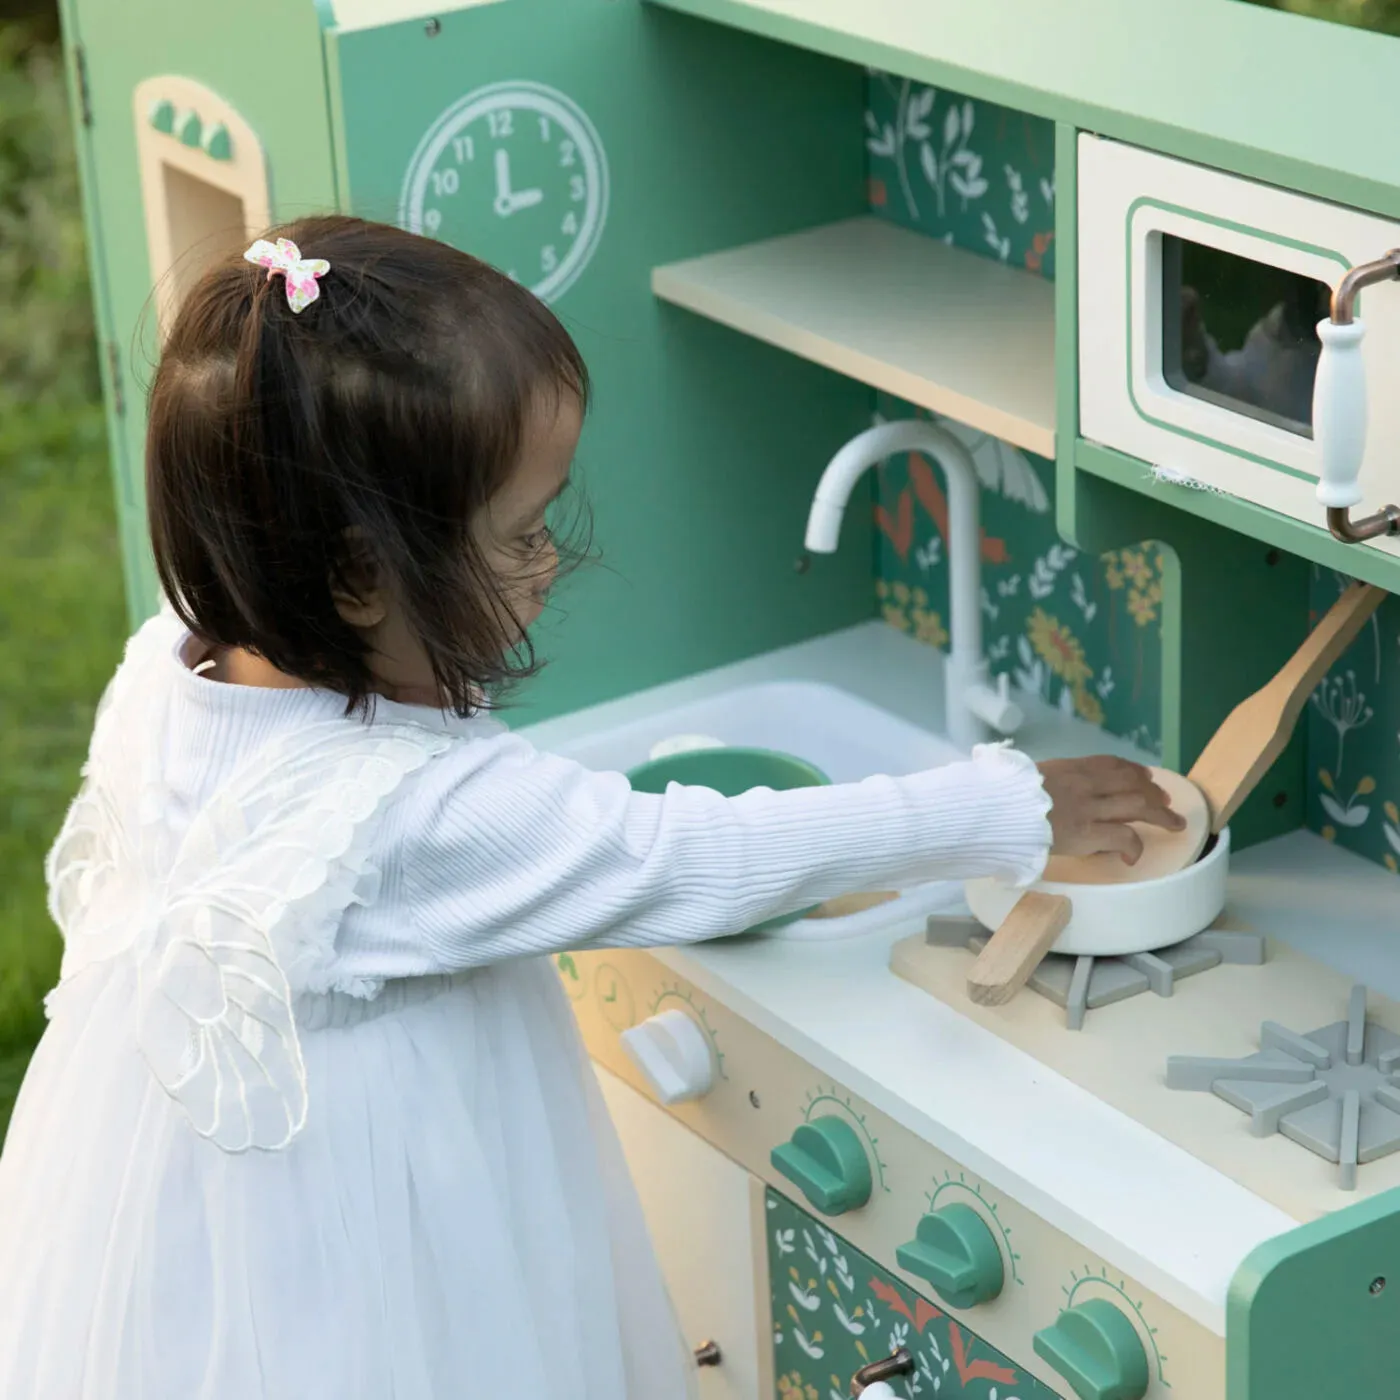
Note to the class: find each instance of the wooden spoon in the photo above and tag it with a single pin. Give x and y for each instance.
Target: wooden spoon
(1257, 730)
(1230, 767)
(843, 905)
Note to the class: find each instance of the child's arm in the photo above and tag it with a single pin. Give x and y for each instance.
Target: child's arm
(514, 852)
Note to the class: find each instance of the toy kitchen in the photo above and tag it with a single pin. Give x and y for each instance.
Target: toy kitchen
(1004, 371)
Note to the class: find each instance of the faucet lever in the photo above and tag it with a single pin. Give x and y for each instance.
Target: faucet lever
(994, 705)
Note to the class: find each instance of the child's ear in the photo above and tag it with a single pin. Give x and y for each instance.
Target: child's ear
(357, 587)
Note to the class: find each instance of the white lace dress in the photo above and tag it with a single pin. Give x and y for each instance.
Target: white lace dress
(311, 1117)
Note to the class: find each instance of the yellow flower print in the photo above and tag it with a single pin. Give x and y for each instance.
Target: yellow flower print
(1137, 568)
(901, 594)
(929, 628)
(894, 615)
(1113, 571)
(1087, 706)
(882, 589)
(1390, 864)
(1058, 647)
(791, 1387)
(1142, 603)
(1329, 833)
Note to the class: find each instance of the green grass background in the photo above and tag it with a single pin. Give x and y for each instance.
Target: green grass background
(62, 615)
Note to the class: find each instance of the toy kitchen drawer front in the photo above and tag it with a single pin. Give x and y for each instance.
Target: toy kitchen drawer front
(861, 1237)
(1199, 298)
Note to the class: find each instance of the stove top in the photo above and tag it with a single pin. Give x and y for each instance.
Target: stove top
(1083, 984)
(1308, 1119)
(1334, 1091)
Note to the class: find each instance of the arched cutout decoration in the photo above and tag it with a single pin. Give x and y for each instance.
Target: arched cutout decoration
(203, 183)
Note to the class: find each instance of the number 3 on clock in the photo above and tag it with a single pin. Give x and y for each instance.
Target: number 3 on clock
(506, 168)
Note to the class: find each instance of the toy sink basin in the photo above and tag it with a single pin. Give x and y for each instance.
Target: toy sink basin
(834, 732)
(729, 772)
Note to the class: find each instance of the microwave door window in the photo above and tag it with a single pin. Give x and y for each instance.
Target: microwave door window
(1241, 334)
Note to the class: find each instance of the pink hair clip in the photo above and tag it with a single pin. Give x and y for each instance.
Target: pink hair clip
(300, 273)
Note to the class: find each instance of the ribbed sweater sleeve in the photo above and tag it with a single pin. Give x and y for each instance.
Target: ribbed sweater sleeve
(513, 852)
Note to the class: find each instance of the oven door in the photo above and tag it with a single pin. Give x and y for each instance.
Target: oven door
(1199, 297)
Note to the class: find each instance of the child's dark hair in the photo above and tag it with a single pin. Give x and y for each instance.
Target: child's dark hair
(390, 410)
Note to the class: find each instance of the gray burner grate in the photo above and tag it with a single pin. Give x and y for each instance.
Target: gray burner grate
(1083, 984)
(1335, 1091)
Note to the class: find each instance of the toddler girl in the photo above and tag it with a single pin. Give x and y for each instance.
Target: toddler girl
(311, 1117)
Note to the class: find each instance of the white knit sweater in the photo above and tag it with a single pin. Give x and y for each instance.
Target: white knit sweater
(493, 850)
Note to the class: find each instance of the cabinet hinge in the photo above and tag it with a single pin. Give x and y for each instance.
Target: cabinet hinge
(114, 373)
(84, 88)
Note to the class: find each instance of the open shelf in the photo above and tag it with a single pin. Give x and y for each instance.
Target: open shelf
(962, 335)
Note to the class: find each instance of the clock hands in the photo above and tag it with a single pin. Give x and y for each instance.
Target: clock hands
(510, 201)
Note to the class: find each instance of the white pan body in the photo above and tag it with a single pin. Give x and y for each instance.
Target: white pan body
(1113, 920)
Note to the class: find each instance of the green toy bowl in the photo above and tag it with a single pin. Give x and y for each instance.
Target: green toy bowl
(730, 772)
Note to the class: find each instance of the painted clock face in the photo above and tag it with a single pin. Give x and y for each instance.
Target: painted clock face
(515, 174)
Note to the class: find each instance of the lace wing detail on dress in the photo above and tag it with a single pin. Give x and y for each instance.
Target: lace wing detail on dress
(248, 920)
(96, 861)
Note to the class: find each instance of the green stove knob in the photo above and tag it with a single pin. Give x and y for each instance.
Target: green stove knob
(1097, 1350)
(955, 1250)
(826, 1160)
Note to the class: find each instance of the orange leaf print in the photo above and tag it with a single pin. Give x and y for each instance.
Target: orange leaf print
(889, 1295)
(1035, 254)
(899, 529)
(976, 1370)
(923, 1312)
(877, 194)
(935, 503)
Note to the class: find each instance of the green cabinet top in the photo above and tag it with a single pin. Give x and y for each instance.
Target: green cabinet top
(1298, 102)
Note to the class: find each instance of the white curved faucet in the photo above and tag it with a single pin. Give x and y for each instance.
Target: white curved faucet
(976, 709)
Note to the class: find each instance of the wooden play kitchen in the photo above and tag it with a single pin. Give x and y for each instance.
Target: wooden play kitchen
(1188, 1193)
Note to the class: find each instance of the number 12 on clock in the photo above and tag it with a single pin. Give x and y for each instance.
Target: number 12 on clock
(514, 173)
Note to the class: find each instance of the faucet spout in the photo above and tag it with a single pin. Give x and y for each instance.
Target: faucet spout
(975, 708)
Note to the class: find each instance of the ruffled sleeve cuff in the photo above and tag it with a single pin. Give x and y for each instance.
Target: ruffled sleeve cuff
(1027, 830)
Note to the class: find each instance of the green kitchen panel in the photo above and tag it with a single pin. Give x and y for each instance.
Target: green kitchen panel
(1315, 1312)
(262, 56)
(577, 144)
(835, 1310)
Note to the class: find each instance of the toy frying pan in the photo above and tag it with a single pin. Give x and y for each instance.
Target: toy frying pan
(1105, 908)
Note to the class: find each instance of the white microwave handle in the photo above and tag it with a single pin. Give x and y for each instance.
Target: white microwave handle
(1339, 408)
(1339, 414)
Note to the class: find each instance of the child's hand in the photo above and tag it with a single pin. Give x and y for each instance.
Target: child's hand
(1095, 799)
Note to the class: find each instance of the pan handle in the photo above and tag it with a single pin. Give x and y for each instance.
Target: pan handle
(1018, 947)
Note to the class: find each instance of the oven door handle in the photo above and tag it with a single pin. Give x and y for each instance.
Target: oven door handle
(869, 1382)
(1339, 408)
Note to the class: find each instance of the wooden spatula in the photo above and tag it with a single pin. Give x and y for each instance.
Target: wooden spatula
(1257, 730)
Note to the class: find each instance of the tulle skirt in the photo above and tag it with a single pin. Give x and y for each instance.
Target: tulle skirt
(455, 1220)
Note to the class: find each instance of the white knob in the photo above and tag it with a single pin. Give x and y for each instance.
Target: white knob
(674, 1055)
(1339, 414)
(879, 1391)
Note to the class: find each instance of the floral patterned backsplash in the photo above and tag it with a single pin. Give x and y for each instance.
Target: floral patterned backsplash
(1083, 633)
(1354, 736)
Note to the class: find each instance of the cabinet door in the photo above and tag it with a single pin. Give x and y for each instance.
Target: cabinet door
(705, 1218)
